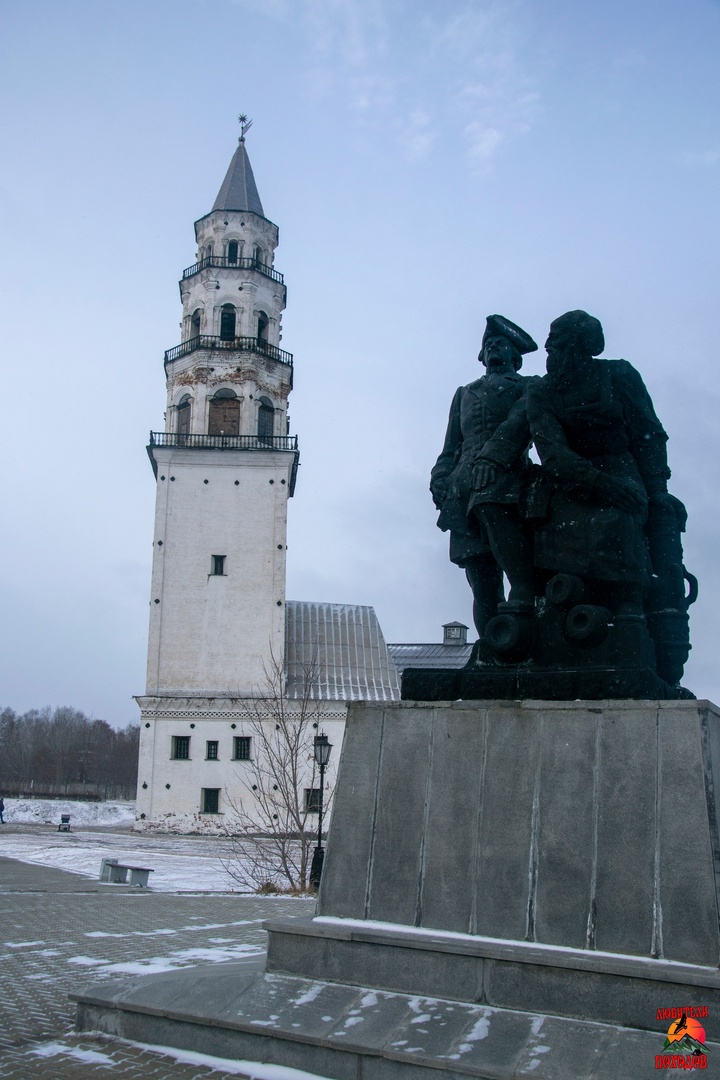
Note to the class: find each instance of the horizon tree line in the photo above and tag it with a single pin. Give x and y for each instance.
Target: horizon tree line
(62, 752)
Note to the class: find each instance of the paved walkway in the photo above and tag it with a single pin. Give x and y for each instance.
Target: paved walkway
(59, 931)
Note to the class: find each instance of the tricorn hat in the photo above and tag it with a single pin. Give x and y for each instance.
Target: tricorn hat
(499, 326)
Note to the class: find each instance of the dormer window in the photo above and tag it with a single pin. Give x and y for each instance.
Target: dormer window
(232, 251)
(227, 322)
(455, 633)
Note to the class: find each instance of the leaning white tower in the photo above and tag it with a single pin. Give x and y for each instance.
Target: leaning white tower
(225, 467)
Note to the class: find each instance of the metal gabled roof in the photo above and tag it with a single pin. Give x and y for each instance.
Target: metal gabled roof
(438, 656)
(337, 652)
(239, 190)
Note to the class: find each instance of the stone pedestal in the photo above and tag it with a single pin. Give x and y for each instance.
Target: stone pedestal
(509, 888)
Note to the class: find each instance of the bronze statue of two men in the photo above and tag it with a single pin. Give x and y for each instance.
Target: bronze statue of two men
(589, 539)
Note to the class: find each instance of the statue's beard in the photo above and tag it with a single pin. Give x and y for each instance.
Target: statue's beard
(561, 366)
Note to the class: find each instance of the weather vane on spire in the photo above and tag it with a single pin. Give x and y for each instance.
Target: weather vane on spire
(245, 125)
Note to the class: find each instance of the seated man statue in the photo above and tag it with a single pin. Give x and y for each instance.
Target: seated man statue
(603, 451)
(479, 502)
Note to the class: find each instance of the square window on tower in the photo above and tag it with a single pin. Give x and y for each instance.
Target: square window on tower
(217, 566)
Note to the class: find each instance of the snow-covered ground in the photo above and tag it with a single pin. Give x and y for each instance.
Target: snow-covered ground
(48, 811)
(180, 863)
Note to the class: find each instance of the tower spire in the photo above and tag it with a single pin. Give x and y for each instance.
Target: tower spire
(239, 190)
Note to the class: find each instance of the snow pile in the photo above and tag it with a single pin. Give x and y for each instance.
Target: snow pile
(48, 811)
(198, 824)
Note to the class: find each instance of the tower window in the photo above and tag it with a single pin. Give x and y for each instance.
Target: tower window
(210, 801)
(227, 322)
(242, 748)
(212, 749)
(224, 418)
(262, 326)
(218, 566)
(266, 420)
(184, 411)
(181, 747)
(232, 251)
(195, 323)
(258, 254)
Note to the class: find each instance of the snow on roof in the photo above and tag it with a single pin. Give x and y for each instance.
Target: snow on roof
(432, 655)
(338, 652)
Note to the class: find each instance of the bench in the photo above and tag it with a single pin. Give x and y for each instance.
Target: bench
(116, 873)
(64, 825)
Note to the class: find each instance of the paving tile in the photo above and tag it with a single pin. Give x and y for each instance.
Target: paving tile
(60, 932)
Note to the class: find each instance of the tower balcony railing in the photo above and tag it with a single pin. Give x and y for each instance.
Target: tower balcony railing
(238, 344)
(224, 442)
(223, 261)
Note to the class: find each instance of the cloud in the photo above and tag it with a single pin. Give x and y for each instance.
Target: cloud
(496, 100)
(418, 137)
(371, 92)
(472, 61)
(704, 157)
(353, 31)
(482, 141)
(630, 59)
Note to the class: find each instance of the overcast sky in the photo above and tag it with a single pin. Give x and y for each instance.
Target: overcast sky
(428, 162)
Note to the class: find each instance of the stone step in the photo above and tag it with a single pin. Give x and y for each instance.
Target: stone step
(348, 1032)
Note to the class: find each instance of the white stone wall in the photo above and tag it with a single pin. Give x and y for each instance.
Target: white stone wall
(216, 633)
(248, 291)
(247, 228)
(169, 796)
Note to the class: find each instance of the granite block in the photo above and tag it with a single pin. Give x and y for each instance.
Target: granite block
(401, 817)
(345, 876)
(565, 828)
(451, 853)
(506, 817)
(625, 833)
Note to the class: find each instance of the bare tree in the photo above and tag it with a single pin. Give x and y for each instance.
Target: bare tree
(273, 827)
(64, 752)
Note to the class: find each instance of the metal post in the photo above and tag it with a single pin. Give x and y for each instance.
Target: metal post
(321, 748)
(319, 853)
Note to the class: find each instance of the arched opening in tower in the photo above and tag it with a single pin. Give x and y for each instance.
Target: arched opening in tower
(224, 417)
(227, 322)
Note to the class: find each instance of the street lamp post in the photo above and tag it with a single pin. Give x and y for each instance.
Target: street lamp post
(321, 748)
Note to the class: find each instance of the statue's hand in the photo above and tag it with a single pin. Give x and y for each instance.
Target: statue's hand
(615, 492)
(484, 475)
(439, 492)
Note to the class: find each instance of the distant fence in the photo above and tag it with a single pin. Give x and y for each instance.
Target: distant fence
(78, 792)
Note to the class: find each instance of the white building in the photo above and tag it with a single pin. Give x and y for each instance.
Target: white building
(225, 468)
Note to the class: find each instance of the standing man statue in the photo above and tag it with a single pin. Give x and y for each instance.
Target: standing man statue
(478, 499)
